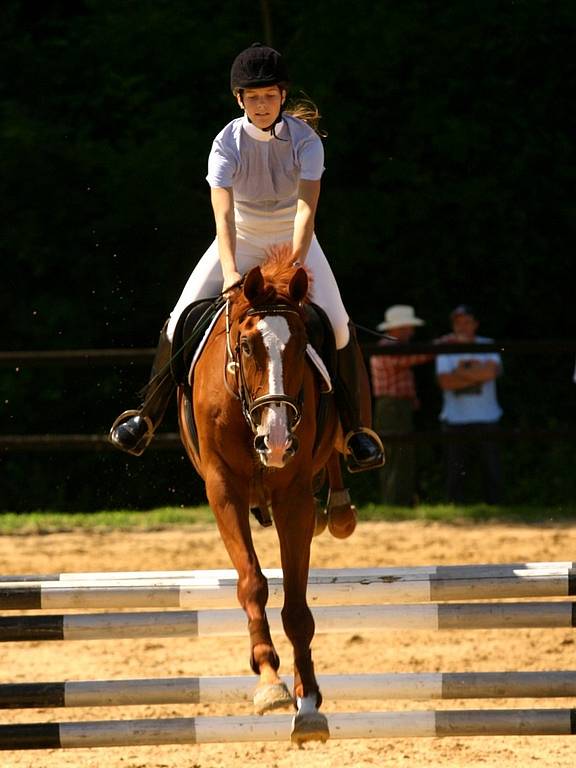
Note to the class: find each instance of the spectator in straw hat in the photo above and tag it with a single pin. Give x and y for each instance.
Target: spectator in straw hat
(394, 390)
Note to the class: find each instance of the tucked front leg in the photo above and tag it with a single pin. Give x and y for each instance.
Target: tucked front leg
(231, 510)
(341, 513)
(295, 520)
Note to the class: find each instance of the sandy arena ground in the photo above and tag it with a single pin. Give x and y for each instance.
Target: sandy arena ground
(375, 544)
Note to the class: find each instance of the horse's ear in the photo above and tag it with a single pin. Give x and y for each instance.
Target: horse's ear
(298, 285)
(253, 284)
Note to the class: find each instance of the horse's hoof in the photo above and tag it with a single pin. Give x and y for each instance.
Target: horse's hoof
(342, 521)
(272, 696)
(309, 726)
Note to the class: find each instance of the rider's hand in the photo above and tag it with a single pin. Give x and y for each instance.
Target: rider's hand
(230, 280)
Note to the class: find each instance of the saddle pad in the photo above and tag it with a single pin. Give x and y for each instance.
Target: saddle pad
(315, 358)
(202, 343)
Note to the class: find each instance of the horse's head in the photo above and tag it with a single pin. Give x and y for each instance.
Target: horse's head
(270, 355)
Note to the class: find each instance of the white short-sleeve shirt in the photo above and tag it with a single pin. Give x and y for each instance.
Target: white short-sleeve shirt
(264, 171)
(475, 404)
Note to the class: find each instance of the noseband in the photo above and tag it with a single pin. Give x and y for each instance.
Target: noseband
(251, 406)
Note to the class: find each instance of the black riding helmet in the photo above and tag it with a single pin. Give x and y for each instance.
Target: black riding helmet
(256, 67)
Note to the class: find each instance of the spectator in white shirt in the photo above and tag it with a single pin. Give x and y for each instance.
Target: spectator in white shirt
(470, 409)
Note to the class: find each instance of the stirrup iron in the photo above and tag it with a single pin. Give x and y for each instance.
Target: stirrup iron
(143, 442)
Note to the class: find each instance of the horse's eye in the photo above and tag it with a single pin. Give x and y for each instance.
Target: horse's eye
(245, 347)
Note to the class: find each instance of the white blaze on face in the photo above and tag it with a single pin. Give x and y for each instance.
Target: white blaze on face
(275, 334)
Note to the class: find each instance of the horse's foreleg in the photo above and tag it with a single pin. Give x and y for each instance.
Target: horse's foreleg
(341, 513)
(295, 519)
(232, 515)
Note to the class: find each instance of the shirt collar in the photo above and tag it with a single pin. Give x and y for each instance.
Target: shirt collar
(257, 134)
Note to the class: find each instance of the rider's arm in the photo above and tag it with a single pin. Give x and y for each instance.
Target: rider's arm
(308, 194)
(223, 207)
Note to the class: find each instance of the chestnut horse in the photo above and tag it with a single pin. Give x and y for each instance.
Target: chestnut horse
(254, 394)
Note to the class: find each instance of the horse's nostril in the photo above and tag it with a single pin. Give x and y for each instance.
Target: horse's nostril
(260, 444)
(292, 446)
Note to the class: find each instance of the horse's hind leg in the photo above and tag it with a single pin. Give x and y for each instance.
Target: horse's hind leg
(295, 520)
(231, 510)
(320, 513)
(341, 513)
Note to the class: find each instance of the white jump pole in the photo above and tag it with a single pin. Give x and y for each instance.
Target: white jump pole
(342, 588)
(227, 574)
(356, 618)
(357, 725)
(208, 690)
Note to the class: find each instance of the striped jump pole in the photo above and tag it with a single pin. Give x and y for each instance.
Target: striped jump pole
(496, 569)
(355, 618)
(324, 588)
(226, 574)
(354, 725)
(210, 690)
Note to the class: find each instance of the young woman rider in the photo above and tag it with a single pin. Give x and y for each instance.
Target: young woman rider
(264, 172)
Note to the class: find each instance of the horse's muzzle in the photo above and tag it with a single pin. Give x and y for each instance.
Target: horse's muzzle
(276, 456)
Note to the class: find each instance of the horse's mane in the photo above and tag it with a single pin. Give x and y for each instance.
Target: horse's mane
(277, 270)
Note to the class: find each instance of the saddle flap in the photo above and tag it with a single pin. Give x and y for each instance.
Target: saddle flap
(190, 335)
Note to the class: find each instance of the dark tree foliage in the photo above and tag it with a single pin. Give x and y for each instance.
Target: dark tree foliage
(450, 176)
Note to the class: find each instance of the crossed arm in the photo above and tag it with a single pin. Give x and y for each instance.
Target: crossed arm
(469, 372)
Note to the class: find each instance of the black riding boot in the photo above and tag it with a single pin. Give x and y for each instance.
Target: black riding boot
(133, 430)
(364, 449)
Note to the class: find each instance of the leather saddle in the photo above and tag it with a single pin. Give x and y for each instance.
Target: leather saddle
(197, 318)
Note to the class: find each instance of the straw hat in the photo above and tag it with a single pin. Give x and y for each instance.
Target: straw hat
(399, 315)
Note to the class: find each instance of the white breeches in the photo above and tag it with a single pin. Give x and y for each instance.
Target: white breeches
(206, 280)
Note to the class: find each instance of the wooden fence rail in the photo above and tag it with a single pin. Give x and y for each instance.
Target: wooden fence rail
(143, 356)
(21, 359)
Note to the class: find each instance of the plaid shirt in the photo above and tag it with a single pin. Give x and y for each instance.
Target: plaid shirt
(392, 374)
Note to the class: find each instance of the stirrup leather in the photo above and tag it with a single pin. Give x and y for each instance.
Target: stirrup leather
(144, 441)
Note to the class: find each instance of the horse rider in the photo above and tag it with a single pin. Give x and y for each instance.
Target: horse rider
(264, 172)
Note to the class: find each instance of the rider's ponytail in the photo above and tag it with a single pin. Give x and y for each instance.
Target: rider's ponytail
(305, 109)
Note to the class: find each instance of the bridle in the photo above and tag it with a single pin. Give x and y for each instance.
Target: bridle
(252, 406)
